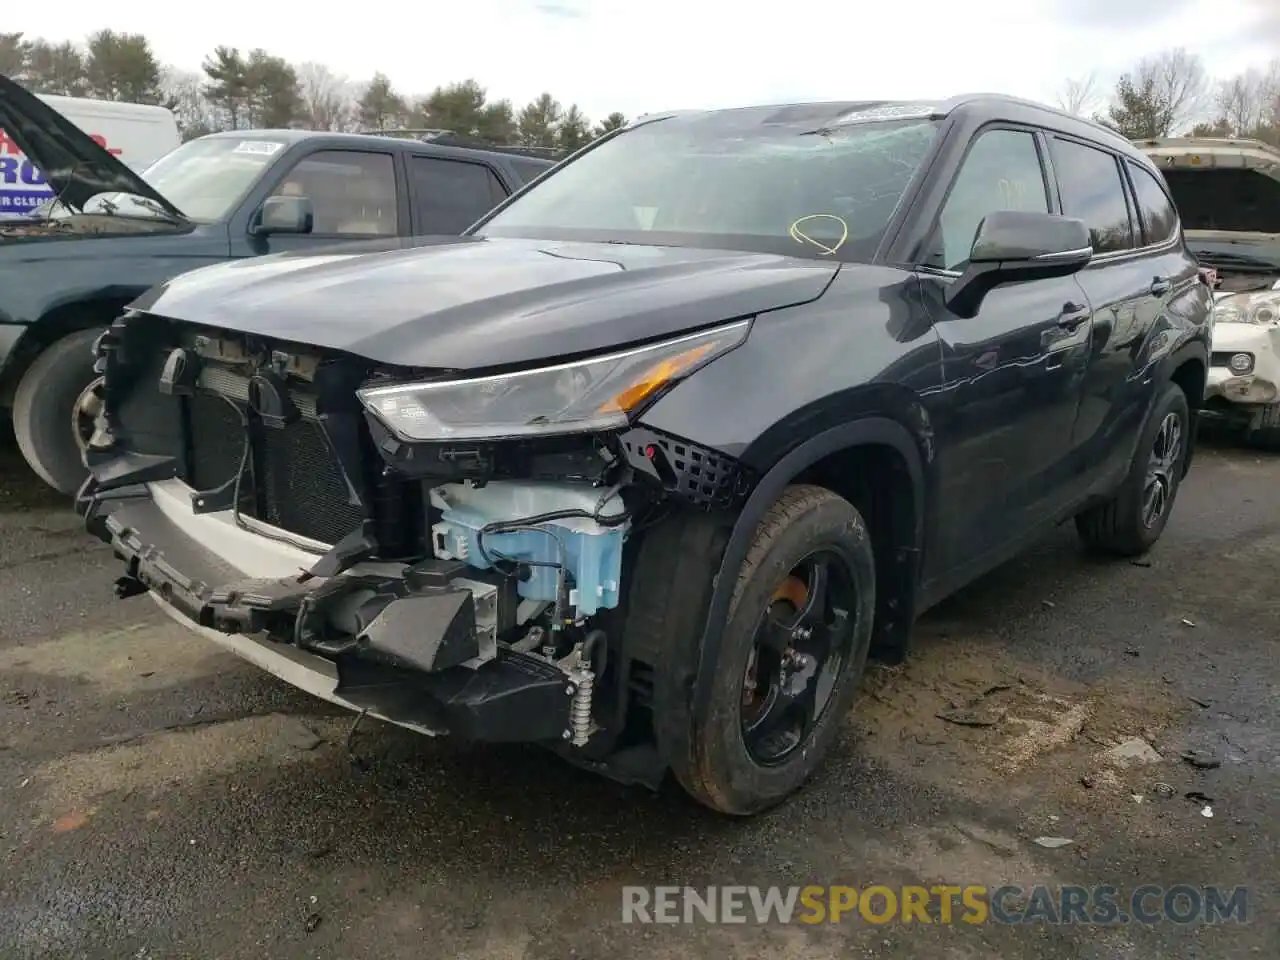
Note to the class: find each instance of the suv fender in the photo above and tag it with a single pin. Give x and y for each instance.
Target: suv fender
(1188, 367)
(862, 432)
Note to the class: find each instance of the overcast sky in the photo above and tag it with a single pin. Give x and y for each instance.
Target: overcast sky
(642, 55)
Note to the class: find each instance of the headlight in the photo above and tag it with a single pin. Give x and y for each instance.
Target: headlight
(1261, 306)
(599, 393)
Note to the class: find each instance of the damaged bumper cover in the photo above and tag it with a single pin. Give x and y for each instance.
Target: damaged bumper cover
(412, 645)
(1244, 372)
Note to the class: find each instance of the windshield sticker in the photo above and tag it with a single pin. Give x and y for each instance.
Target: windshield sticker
(261, 148)
(645, 216)
(888, 111)
(800, 234)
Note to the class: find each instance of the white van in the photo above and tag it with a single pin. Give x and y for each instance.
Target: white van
(137, 133)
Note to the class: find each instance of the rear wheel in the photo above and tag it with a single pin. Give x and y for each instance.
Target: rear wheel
(54, 408)
(793, 652)
(1132, 521)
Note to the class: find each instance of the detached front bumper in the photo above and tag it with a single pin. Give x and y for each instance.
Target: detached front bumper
(412, 645)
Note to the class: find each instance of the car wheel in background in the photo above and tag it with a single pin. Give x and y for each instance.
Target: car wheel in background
(53, 410)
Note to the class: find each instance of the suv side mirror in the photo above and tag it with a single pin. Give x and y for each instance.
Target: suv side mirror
(1016, 245)
(285, 215)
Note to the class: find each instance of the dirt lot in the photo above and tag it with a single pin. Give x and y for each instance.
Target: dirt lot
(160, 799)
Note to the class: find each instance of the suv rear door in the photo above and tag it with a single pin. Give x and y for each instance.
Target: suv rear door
(1139, 268)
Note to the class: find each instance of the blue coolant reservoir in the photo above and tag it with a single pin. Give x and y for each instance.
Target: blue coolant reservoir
(591, 551)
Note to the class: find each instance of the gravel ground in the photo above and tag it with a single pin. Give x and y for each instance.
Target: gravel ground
(161, 799)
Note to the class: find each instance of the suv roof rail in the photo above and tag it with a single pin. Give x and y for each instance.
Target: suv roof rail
(450, 138)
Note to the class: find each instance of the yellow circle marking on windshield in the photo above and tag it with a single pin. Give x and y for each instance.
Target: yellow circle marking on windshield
(799, 236)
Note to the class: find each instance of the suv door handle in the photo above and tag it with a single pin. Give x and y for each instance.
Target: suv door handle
(1073, 314)
(1160, 286)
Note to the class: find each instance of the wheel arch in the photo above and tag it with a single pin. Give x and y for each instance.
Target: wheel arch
(1189, 369)
(55, 323)
(820, 459)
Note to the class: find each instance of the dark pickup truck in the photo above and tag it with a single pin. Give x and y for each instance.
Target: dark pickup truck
(71, 267)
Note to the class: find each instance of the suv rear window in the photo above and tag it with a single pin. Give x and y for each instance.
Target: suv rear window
(1092, 191)
(1159, 218)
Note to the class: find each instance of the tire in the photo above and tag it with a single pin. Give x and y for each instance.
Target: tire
(711, 759)
(1267, 439)
(1267, 435)
(1120, 527)
(43, 406)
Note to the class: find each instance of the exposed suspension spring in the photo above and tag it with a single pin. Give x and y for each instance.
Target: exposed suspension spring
(580, 709)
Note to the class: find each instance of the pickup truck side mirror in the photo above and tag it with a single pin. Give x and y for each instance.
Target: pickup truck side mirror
(284, 215)
(1016, 245)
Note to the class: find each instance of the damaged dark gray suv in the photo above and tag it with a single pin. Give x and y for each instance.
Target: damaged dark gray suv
(646, 464)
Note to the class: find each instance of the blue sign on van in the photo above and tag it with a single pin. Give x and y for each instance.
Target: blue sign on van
(22, 186)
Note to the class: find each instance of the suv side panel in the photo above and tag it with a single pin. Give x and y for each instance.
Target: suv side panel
(1014, 372)
(1129, 288)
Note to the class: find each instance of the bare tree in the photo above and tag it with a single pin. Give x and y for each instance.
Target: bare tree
(1181, 85)
(1080, 96)
(1271, 93)
(327, 103)
(1244, 100)
(183, 92)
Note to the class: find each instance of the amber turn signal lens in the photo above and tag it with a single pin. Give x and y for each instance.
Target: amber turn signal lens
(654, 378)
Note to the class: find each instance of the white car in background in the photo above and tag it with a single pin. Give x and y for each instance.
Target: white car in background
(1228, 195)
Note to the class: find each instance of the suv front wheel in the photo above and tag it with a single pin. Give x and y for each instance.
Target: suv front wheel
(793, 652)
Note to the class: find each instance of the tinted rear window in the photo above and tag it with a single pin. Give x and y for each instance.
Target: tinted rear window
(1091, 189)
(528, 170)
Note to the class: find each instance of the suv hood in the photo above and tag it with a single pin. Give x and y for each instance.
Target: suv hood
(74, 166)
(468, 303)
(1227, 192)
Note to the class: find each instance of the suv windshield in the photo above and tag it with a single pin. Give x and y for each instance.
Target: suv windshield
(730, 181)
(204, 179)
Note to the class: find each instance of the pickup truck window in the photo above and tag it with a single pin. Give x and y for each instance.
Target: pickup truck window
(205, 179)
(353, 192)
(527, 170)
(451, 195)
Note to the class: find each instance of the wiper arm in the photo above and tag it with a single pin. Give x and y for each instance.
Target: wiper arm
(157, 208)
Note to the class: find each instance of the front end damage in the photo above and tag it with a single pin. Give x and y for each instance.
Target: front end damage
(466, 587)
(1242, 388)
